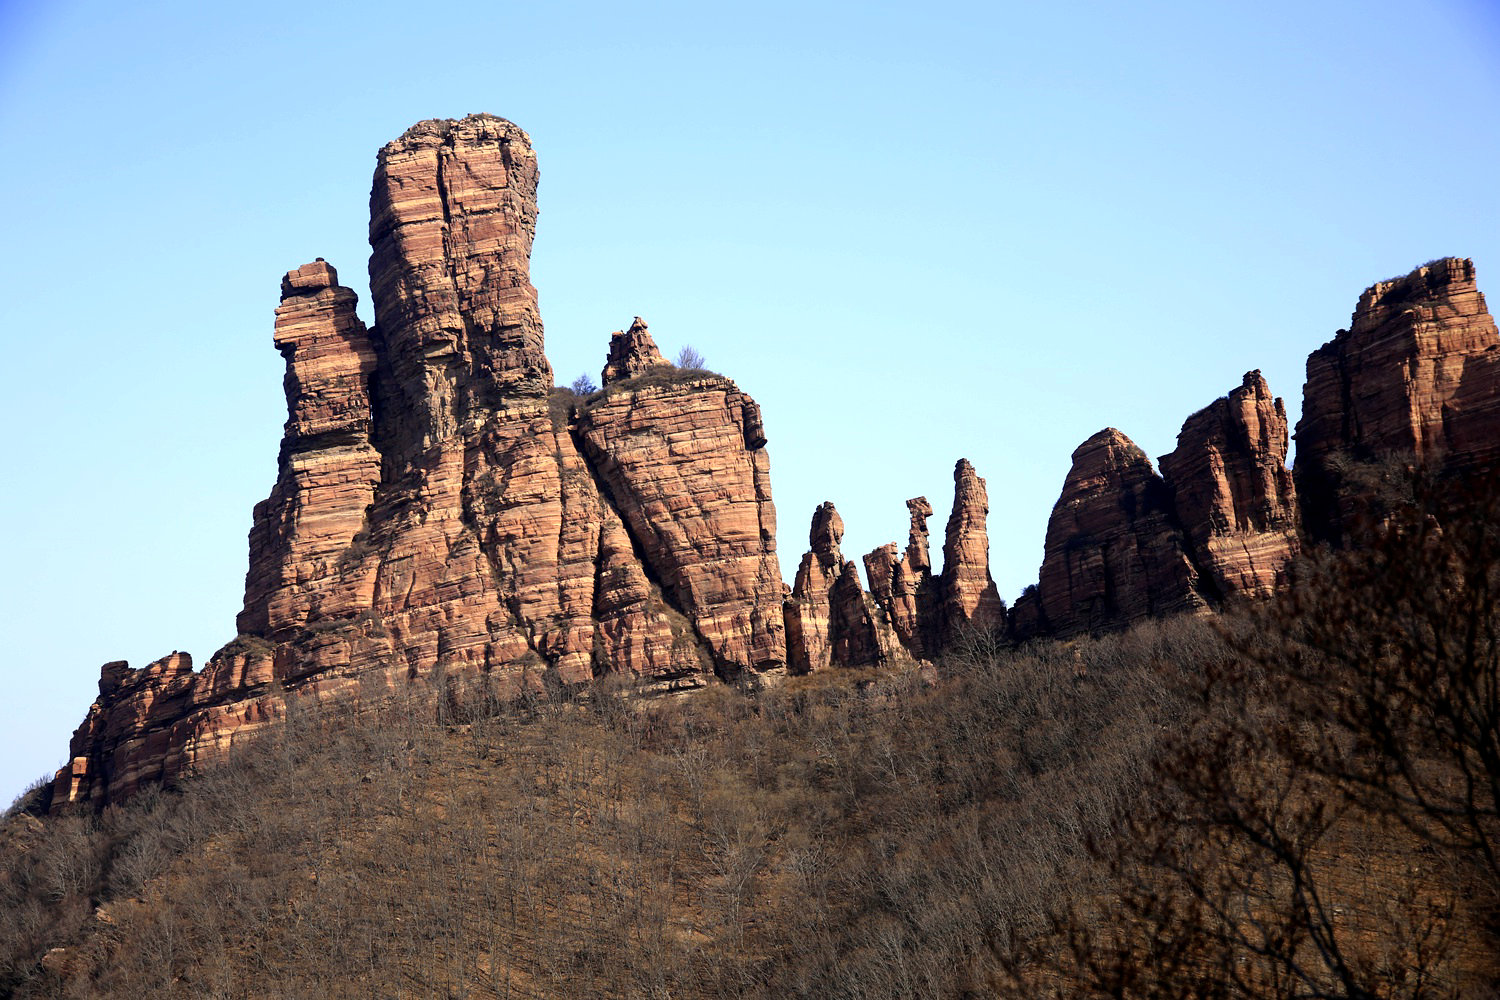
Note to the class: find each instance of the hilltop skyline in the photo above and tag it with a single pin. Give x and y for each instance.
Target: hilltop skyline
(1028, 257)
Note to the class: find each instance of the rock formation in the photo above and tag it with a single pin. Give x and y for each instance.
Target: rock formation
(1114, 553)
(830, 620)
(437, 520)
(685, 465)
(632, 353)
(1232, 492)
(969, 598)
(328, 467)
(809, 644)
(1411, 380)
(903, 586)
(443, 523)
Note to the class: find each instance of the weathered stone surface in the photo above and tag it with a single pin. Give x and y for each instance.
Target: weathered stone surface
(1113, 553)
(903, 586)
(809, 640)
(969, 597)
(684, 463)
(632, 352)
(1232, 492)
(1392, 386)
(830, 620)
(328, 468)
(435, 525)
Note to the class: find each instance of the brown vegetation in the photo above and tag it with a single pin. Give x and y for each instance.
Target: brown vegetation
(1299, 800)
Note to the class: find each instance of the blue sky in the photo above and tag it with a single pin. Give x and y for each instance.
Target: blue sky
(914, 235)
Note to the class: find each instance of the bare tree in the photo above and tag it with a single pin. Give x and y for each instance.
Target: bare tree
(689, 359)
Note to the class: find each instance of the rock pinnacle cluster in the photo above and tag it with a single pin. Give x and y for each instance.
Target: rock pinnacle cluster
(444, 521)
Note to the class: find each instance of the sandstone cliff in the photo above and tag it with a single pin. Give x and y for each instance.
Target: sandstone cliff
(1412, 380)
(444, 522)
(438, 520)
(1232, 492)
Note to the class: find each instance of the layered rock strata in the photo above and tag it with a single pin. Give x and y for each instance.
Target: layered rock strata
(438, 520)
(328, 469)
(1232, 492)
(1114, 552)
(969, 598)
(685, 465)
(1412, 380)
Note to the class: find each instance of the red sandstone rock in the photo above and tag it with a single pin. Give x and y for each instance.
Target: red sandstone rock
(969, 597)
(830, 620)
(1392, 386)
(1232, 492)
(434, 525)
(809, 642)
(1113, 554)
(684, 462)
(328, 468)
(631, 353)
(903, 587)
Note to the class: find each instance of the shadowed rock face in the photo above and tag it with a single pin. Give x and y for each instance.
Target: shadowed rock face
(1412, 379)
(1114, 553)
(436, 522)
(1232, 492)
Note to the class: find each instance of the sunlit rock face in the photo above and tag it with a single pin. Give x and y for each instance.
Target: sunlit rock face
(1413, 380)
(1232, 491)
(441, 520)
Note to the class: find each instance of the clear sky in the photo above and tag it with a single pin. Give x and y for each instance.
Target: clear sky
(913, 232)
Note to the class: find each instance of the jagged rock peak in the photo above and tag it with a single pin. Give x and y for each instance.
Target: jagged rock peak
(826, 532)
(1232, 491)
(452, 219)
(632, 352)
(970, 599)
(918, 555)
(328, 469)
(1113, 553)
(903, 587)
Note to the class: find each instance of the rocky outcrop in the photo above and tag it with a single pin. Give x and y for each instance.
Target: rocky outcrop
(903, 586)
(685, 465)
(807, 611)
(969, 598)
(632, 353)
(438, 523)
(1411, 380)
(1232, 492)
(1114, 553)
(830, 620)
(328, 469)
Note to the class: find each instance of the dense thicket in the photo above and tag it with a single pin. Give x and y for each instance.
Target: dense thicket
(839, 836)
